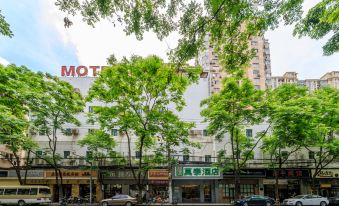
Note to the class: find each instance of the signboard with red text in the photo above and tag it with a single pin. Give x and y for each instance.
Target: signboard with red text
(80, 71)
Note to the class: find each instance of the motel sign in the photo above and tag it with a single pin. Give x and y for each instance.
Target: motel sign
(80, 71)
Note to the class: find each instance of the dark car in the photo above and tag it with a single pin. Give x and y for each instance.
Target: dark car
(334, 200)
(255, 200)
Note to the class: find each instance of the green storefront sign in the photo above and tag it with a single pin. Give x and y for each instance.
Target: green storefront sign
(197, 172)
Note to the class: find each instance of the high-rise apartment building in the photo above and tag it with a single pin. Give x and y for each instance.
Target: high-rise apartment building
(259, 71)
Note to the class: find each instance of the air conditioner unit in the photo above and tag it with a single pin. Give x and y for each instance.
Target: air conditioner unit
(75, 131)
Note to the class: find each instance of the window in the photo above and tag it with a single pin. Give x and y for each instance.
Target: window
(33, 191)
(23, 191)
(186, 158)
(10, 192)
(249, 133)
(255, 71)
(114, 132)
(255, 65)
(1, 191)
(229, 191)
(67, 154)
(208, 158)
(246, 190)
(68, 132)
(44, 191)
(311, 155)
(90, 109)
(254, 43)
(137, 154)
(205, 132)
(256, 81)
(257, 86)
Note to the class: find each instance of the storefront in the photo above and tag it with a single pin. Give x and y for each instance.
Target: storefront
(157, 180)
(195, 184)
(250, 184)
(119, 182)
(327, 182)
(291, 182)
(75, 183)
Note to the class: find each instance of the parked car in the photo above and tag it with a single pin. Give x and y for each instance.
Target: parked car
(119, 200)
(334, 200)
(255, 200)
(301, 200)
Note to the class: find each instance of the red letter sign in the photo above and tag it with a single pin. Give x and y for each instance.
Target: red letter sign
(70, 72)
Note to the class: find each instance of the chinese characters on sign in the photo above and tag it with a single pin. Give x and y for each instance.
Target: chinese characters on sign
(288, 173)
(72, 174)
(197, 172)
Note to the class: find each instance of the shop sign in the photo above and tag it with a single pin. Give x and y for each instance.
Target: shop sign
(247, 173)
(119, 174)
(327, 173)
(30, 173)
(80, 71)
(3, 173)
(158, 174)
(288, 173)
(158, 182)
(72, 174)
(272, 181)
(197, 173)
(325, 185)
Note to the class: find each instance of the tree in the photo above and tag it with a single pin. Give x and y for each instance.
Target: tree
(17, 89)
(324, 144)
(289, 114)
(320, 21)
(137, 94)
(4, 27)
(228, 22)
(56, 104)
(237, 105)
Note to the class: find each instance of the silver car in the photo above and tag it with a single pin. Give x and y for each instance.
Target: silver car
(119, 200)
(301, 200)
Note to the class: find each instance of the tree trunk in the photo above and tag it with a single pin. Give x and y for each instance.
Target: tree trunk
(169, 175)
(276, 186)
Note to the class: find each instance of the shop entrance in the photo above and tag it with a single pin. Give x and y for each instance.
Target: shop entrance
(190, 194)
(207, 193)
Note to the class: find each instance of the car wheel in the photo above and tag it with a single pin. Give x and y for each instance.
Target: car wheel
(323, 203)
(268, 204)
(245, 204)
(21, 203)
(298, 204)
(104, 204)
(128, 204)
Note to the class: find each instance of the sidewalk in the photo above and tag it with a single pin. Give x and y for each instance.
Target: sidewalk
(155, 204)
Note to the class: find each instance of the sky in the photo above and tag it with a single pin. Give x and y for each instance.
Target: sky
(42, 43)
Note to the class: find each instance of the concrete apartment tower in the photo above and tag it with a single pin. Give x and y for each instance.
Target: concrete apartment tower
(259, 71)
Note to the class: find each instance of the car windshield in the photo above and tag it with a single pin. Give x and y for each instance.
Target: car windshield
(299, 196)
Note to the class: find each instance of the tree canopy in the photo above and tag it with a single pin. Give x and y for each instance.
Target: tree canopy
(4, 27)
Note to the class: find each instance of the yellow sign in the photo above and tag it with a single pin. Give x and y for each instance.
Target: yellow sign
(327, 173)
(159, 174)
(325, 185)
(72, 174)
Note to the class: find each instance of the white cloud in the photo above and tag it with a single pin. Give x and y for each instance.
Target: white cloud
(94, 45)
(4, 61)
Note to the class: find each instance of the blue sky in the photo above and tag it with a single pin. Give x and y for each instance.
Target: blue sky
(42, 43)
(34, 44)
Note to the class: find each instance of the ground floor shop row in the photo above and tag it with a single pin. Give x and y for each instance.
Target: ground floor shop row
(190, 184)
